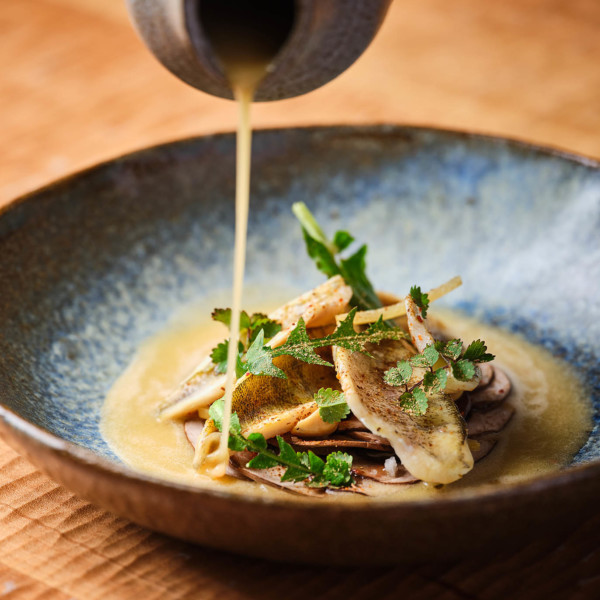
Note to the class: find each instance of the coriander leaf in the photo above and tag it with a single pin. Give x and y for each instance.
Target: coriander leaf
(353, 270)
(259, 359)
(332, 405)
(258, 441)
(420, 299)
(400, 374)
(415, 401)
(222, 315)
(463, 370)
(338, 469)
(219, 356)
(427, 358)
(476, 351)
(341, 240)
(259, 321)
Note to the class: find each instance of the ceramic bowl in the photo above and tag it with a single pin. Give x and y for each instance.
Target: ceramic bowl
(96, 263)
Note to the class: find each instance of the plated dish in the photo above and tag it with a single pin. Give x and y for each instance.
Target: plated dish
(132, 243)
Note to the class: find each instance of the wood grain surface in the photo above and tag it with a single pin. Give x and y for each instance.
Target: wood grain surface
(77, 87)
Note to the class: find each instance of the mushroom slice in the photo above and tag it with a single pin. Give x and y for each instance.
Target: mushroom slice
(482, 447)
(494, 393)
(334, 443)
(378, 471)
(489, 421)
(274, 406)
(237, 465)
(433, 446)
(271, 476)
(317, 307)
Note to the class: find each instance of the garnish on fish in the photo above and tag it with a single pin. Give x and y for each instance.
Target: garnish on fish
(333, 399)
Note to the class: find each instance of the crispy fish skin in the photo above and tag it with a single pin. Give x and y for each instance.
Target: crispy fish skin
(433, 447)
(274, 406)
(317, 307)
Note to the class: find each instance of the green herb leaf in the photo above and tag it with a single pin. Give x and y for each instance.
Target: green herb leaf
(300, 346)
(400, 374)
(435, 381)
(476, 351)
(323, 251)
(450, 349)
(427, 358)
(324, 259)
(219, 356)
(338, 469)
(341, 240)
(299, 466)
(259, 359)
(463, 370)
(420, 299)
(353, 270)
(259, 322)
(332, 405)
(263, 461)
(415, 401)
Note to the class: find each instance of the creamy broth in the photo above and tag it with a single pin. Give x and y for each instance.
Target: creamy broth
(551, 422)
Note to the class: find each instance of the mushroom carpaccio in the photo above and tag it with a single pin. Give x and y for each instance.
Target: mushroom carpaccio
(387, 440)
(526, 410)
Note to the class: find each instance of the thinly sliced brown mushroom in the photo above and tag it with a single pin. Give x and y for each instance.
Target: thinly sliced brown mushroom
(271, 476)
(489, 421)
(493, 393)
(482, 447)
(377, 471)
(336, 442)
(352, 423)
(487, 374)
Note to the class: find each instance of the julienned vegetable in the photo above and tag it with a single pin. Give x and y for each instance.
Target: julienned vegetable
(324, 402)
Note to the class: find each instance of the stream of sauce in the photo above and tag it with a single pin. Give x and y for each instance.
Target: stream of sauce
(552, 418)
(245, 37)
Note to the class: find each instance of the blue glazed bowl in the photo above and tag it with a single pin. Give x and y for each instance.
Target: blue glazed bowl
(96, 263)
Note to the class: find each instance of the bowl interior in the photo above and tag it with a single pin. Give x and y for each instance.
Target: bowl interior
(95, 264)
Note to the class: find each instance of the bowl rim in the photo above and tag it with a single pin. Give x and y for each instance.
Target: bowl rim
(85, 457)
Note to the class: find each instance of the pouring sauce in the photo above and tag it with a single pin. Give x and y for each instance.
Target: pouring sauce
(246, 37)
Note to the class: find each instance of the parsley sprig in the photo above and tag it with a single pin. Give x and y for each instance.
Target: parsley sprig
(250, 328)
(259, 358)
(325, 253)
(461, 364)
(335, 471)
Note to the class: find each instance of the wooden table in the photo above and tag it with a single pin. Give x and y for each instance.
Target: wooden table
(78, 87)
